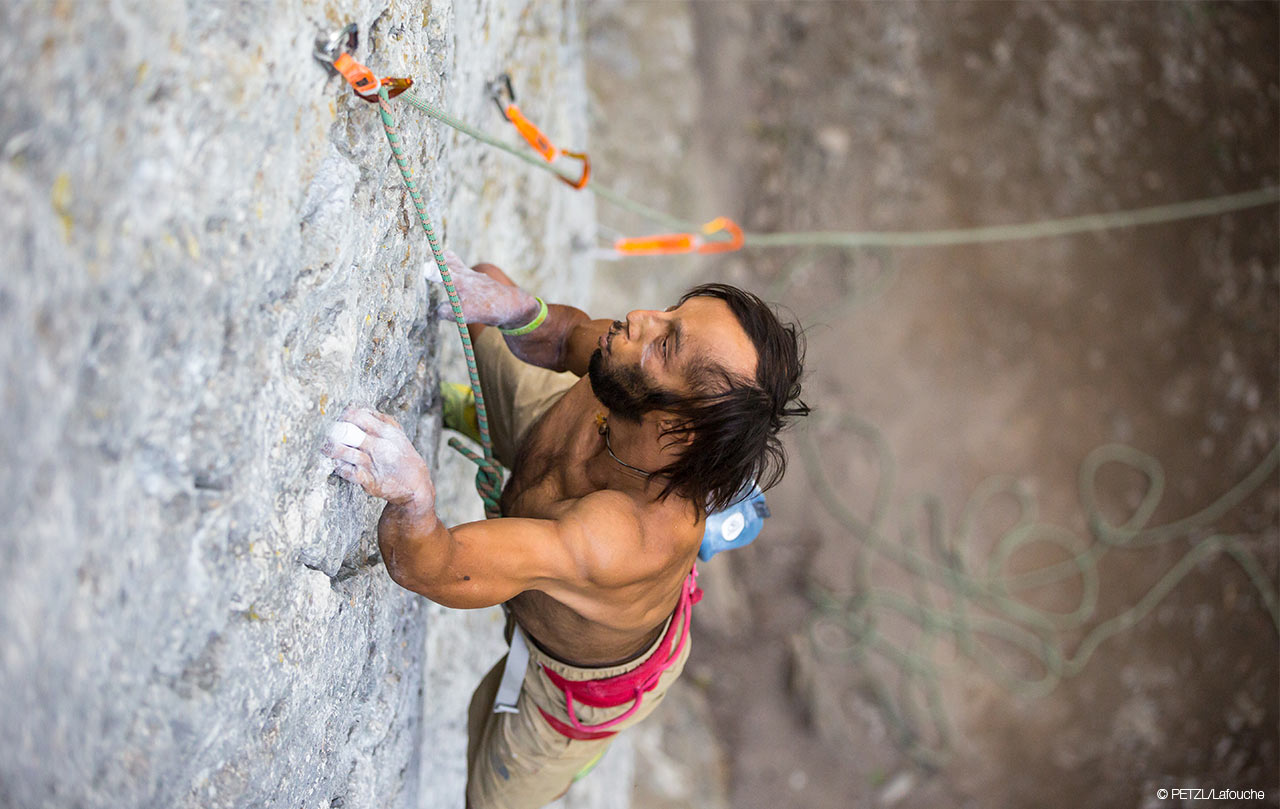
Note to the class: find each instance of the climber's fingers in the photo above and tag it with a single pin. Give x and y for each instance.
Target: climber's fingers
(455, 264)
(387, 420)
(353, 465)
(368, 420)
(483, 298)
(344, 432)
(353, 474)
(347, 455)
(444, 310)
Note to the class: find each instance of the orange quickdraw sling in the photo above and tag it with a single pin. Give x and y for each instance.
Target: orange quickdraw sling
(531, 134)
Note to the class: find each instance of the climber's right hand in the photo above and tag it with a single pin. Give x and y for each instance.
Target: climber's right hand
(373, 451)
(484, 299)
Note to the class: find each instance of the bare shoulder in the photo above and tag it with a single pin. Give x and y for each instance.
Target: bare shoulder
(606, 530)
(623, 541)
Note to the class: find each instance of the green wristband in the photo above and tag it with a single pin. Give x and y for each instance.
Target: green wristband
(532, 324)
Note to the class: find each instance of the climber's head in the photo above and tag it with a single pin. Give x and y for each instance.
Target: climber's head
(721, 373)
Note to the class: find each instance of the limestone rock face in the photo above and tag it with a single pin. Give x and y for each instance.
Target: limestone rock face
(206, 255)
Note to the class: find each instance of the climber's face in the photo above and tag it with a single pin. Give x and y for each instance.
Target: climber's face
(653, 356)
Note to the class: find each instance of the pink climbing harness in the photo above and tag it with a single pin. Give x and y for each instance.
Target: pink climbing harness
(612, 692)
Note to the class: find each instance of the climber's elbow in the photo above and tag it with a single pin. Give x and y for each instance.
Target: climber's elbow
(416, 550)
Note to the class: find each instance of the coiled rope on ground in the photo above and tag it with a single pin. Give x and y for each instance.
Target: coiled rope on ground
(984, 619)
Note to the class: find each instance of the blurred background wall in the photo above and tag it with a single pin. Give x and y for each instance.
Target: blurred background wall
(1103, 406)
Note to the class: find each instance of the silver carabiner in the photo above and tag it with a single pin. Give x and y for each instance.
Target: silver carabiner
(494, 90)
(330, 47)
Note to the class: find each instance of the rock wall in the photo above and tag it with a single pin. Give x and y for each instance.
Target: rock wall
(205, 255)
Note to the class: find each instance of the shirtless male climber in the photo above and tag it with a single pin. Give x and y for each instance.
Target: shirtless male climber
(621, 436)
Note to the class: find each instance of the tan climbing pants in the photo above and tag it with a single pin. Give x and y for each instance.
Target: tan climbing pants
(518, 760)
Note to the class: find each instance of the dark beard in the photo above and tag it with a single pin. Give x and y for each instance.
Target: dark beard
(627, 392)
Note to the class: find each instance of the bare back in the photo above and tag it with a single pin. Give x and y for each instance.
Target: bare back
(644, 575)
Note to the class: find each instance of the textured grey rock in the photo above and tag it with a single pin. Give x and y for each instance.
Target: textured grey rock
(206, 255)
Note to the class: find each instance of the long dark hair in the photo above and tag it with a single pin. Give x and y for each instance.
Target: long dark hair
(732, 423)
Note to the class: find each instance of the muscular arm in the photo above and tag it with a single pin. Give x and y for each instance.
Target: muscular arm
(564, 341)
(483, 563)
(574, 558)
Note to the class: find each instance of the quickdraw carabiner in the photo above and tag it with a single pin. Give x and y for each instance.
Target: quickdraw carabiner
(665, 244)
(334, 51)
(531, 134)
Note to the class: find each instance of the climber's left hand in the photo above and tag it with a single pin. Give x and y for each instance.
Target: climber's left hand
(484, 299)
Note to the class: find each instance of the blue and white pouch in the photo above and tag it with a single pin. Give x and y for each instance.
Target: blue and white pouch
(736, 525)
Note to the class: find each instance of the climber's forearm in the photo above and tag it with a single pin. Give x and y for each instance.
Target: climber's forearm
(470, 566)
(415, 545)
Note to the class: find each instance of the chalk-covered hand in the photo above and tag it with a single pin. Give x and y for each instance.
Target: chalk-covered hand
(372, 450)
(484, 299)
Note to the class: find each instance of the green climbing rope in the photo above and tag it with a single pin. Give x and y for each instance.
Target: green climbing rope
(489, 473)
(912, 238)
(963, 614)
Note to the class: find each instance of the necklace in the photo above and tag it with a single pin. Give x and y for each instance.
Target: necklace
(602, 424)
